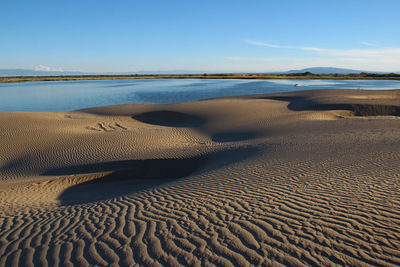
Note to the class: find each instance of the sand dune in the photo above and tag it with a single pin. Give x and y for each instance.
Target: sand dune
(302, 178)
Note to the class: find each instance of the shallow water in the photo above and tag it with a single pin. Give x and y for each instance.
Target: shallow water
(72, 95)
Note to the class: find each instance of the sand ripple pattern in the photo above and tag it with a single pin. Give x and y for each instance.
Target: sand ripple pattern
(257, 215)
(274, 182)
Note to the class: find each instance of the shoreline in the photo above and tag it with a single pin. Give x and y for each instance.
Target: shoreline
(295, 76)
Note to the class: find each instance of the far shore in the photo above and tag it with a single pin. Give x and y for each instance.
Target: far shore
(292, 76)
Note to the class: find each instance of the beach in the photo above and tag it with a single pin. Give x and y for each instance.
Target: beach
(300, 178)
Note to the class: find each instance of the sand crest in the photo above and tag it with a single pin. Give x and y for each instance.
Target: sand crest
(301, 178)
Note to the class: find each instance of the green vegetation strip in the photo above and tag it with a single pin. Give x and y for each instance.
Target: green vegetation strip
(297, 76)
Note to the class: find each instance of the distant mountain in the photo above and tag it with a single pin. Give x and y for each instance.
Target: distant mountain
(326, 70)
(28, 72)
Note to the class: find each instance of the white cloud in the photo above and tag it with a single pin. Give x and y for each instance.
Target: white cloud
(46, 68)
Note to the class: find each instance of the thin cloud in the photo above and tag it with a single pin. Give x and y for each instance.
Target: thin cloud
(369, 44)
(375, 57)
(394, 52)
(266, 44)
(316, 49)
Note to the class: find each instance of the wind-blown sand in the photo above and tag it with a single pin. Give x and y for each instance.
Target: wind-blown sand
(301, 178)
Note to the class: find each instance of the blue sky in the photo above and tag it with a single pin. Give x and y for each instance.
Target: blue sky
(212, 36)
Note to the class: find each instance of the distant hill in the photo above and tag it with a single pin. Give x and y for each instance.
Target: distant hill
(327, 70)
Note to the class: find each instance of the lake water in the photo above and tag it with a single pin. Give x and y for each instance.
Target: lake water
(72, 95)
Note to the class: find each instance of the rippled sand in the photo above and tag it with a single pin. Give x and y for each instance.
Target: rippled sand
(302, 178)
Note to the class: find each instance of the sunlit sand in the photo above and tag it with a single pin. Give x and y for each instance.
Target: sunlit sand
(300, 178)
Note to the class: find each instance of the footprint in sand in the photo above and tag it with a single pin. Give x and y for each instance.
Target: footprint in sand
(106, 127)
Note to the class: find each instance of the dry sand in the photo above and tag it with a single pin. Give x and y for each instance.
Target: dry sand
(302, 178)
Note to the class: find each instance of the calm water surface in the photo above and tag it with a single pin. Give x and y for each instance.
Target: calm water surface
(72, 95)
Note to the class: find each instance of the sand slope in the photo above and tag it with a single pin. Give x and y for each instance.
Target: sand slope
(302, 178)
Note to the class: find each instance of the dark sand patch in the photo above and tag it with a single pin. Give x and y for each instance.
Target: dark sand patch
(170, 118)
(298, 103)
(107, 180)
(126, 177)
(227, 137)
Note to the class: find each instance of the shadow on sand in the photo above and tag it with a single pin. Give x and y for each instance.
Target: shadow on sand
(227, 137)
(170, 119)
(132, 176)
(302, 103)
